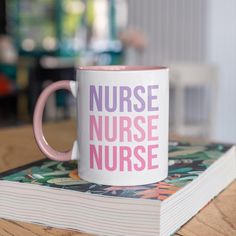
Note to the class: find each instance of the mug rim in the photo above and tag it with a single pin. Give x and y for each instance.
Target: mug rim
(121, 68)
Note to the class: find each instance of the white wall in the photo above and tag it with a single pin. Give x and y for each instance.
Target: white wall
(196, 31)
(221, 50)
(175, 29)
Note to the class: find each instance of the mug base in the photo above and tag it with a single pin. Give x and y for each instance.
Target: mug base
(123, 183)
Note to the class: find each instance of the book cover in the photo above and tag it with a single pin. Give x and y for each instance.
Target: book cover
(186, 162)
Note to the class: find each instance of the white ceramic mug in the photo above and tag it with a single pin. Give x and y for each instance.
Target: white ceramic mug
(122, 120)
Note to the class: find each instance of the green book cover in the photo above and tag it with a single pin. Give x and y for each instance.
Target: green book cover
(186, 162)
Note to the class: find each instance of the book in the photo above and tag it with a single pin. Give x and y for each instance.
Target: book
(51, 193)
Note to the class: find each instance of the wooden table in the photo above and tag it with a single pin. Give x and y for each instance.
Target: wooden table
(17, 147)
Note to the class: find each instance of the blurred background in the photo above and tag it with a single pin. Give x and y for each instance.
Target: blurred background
(43, 41)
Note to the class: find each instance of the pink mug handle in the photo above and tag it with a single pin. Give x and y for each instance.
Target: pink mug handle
(37, 122)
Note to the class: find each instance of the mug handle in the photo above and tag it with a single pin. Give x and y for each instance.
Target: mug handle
(51, 153)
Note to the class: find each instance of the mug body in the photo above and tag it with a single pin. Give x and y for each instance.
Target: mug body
(122, 120)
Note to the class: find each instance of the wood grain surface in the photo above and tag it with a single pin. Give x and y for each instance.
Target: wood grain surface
(17, 147)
